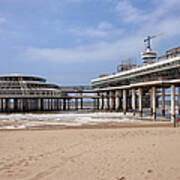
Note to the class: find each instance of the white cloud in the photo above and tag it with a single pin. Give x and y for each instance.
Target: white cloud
(2, 20)
(169, 4)
(90, 32)
(96, 52)
(105, 25)
(129, 13)
(73, 1)
(102, 30)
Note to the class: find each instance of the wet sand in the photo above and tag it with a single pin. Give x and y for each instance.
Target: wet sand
(100, 153)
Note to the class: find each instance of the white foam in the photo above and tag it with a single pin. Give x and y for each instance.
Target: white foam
(65, 119)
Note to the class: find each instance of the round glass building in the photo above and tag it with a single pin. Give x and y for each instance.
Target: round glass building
(21, 93)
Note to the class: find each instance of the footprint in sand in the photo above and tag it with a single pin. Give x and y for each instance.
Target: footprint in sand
(121, 178)
(149, 171)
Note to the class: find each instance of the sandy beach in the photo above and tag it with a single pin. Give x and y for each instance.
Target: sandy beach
(91, 154)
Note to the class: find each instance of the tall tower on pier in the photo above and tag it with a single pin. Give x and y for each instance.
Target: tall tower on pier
(148, 55)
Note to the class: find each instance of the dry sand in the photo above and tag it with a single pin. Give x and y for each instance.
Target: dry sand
(91, 154)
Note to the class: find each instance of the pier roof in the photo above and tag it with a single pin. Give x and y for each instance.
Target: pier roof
(18, 85)
(139, 74)
(26, 77)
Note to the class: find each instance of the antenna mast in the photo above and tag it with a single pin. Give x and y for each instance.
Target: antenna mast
(148, 55)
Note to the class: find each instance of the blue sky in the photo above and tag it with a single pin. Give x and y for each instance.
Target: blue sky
(71, 42)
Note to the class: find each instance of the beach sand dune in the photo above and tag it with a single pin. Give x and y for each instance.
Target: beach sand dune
(90, 154)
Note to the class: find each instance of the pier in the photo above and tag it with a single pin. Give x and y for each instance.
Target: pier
(133, 98)
(140, 89)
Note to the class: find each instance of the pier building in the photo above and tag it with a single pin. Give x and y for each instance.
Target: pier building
(21, 93)
(142, 86)
(167, 67)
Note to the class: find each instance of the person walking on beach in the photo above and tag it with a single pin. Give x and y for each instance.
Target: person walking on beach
(175, 122)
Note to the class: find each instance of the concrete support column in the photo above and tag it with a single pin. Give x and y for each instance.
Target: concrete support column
(64, 104)
(112, 101)
(32, 104)
(163, 100)
(54, 104)
(47, 105)
(179, 100)
(68, 104)
(124, 101)
(1, 105)
(140, 102)
(107, 101)
(98, 101)
(117, 100)
(57, 104)
(151, 101)
(101, 103)
(129, 100)
(133, 100)
(39, 104)
(8, 107)
(15, 104)
(81, 103)
(58, 108)
(29, 104)
(154, 103)
(42, 105)
(60, 104)
(51, 104)
(26, 105)
(76, 104)
(21, 105)
(172, 103)
(24, 101)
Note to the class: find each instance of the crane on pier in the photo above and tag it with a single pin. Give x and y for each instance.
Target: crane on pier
(148, 55)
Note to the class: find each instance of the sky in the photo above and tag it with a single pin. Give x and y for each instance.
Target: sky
(70, 42)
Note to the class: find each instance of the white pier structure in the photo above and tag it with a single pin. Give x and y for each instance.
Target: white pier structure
(141, 87)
